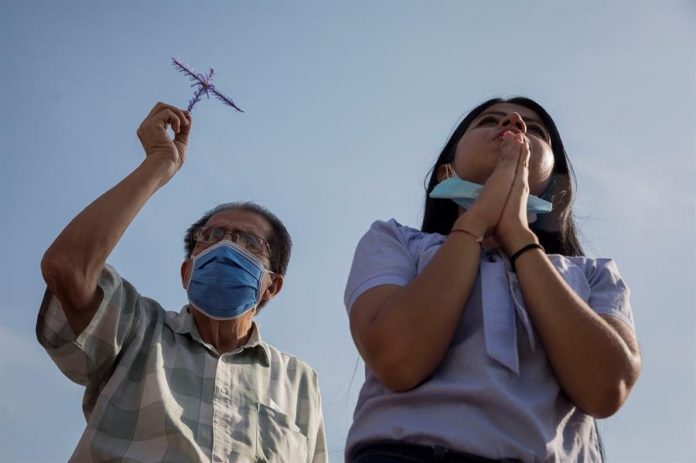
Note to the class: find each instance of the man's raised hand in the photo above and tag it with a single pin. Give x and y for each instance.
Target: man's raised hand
(155, 139)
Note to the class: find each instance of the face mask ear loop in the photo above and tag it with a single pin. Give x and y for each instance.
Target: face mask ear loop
(272, 275)
(449, 171)
(549, 192)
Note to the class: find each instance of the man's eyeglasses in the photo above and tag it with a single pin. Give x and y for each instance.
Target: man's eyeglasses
(249, 241)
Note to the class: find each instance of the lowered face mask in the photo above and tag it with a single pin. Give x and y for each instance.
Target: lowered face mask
(225, 281)
(464, 193)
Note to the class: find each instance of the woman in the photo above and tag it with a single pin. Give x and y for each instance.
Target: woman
(487, 337)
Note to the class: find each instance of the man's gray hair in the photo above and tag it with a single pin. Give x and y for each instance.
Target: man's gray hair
(279, 241)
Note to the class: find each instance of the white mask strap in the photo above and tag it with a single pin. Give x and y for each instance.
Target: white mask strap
(449, 171)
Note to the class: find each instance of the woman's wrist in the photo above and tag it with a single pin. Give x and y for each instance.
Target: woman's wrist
(514, 241)
(472, 224)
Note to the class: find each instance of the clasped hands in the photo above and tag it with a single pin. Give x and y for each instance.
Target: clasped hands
(500, 210)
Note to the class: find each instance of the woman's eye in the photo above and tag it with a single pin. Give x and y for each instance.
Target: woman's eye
(538, 130)
(487, 120)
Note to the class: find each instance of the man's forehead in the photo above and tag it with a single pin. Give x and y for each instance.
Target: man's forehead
(241, 219)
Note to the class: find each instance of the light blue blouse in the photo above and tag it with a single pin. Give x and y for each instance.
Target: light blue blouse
(494, 394)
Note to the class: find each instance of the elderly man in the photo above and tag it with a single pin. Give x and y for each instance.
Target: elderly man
(198, 385)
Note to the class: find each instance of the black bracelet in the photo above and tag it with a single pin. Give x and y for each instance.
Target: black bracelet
(522, 251)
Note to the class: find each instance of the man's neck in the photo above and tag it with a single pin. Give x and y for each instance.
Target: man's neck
(224, 335)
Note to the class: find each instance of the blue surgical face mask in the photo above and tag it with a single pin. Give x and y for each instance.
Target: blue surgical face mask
(225, 281)
(464, 193)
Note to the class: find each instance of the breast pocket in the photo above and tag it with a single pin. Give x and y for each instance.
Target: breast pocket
(279, 438)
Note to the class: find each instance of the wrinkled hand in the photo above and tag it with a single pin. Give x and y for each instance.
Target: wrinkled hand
(512, 230)
(155, 139)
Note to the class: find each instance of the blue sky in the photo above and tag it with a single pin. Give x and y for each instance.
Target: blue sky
(346, 107)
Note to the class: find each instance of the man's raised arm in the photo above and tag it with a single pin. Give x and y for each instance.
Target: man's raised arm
(74, 261)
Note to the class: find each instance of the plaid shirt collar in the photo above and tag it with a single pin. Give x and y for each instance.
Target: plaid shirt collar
(183, 323)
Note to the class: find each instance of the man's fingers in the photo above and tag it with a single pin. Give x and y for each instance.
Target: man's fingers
(163, 116)
(169, 117)
(182, 135)
(184, 116)
(159, 106)
(178, 120)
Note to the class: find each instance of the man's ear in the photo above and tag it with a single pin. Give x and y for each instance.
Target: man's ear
(185, 272)
(274, 288)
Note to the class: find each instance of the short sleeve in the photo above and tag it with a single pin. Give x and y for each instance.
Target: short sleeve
(609, 293)
(382, 257)
(89, 357)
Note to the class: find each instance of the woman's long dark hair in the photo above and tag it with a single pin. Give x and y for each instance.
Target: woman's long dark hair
(556, 231)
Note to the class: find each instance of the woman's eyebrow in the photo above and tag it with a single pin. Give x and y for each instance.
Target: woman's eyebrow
(525, 119)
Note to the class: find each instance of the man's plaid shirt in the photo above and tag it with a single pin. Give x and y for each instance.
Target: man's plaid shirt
(156, 392)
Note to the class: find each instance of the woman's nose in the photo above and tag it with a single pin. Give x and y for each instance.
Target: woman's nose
(514, 119)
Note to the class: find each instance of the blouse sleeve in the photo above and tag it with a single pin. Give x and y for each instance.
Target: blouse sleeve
(383, 257)
(609, 293)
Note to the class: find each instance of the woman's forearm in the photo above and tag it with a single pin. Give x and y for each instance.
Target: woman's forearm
(594, 365)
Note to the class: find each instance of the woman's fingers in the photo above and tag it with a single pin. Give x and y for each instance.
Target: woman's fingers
(503, 192)
(509, 149)
(508, 161)
(513, 220)
(522, 173)
(516, 206)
